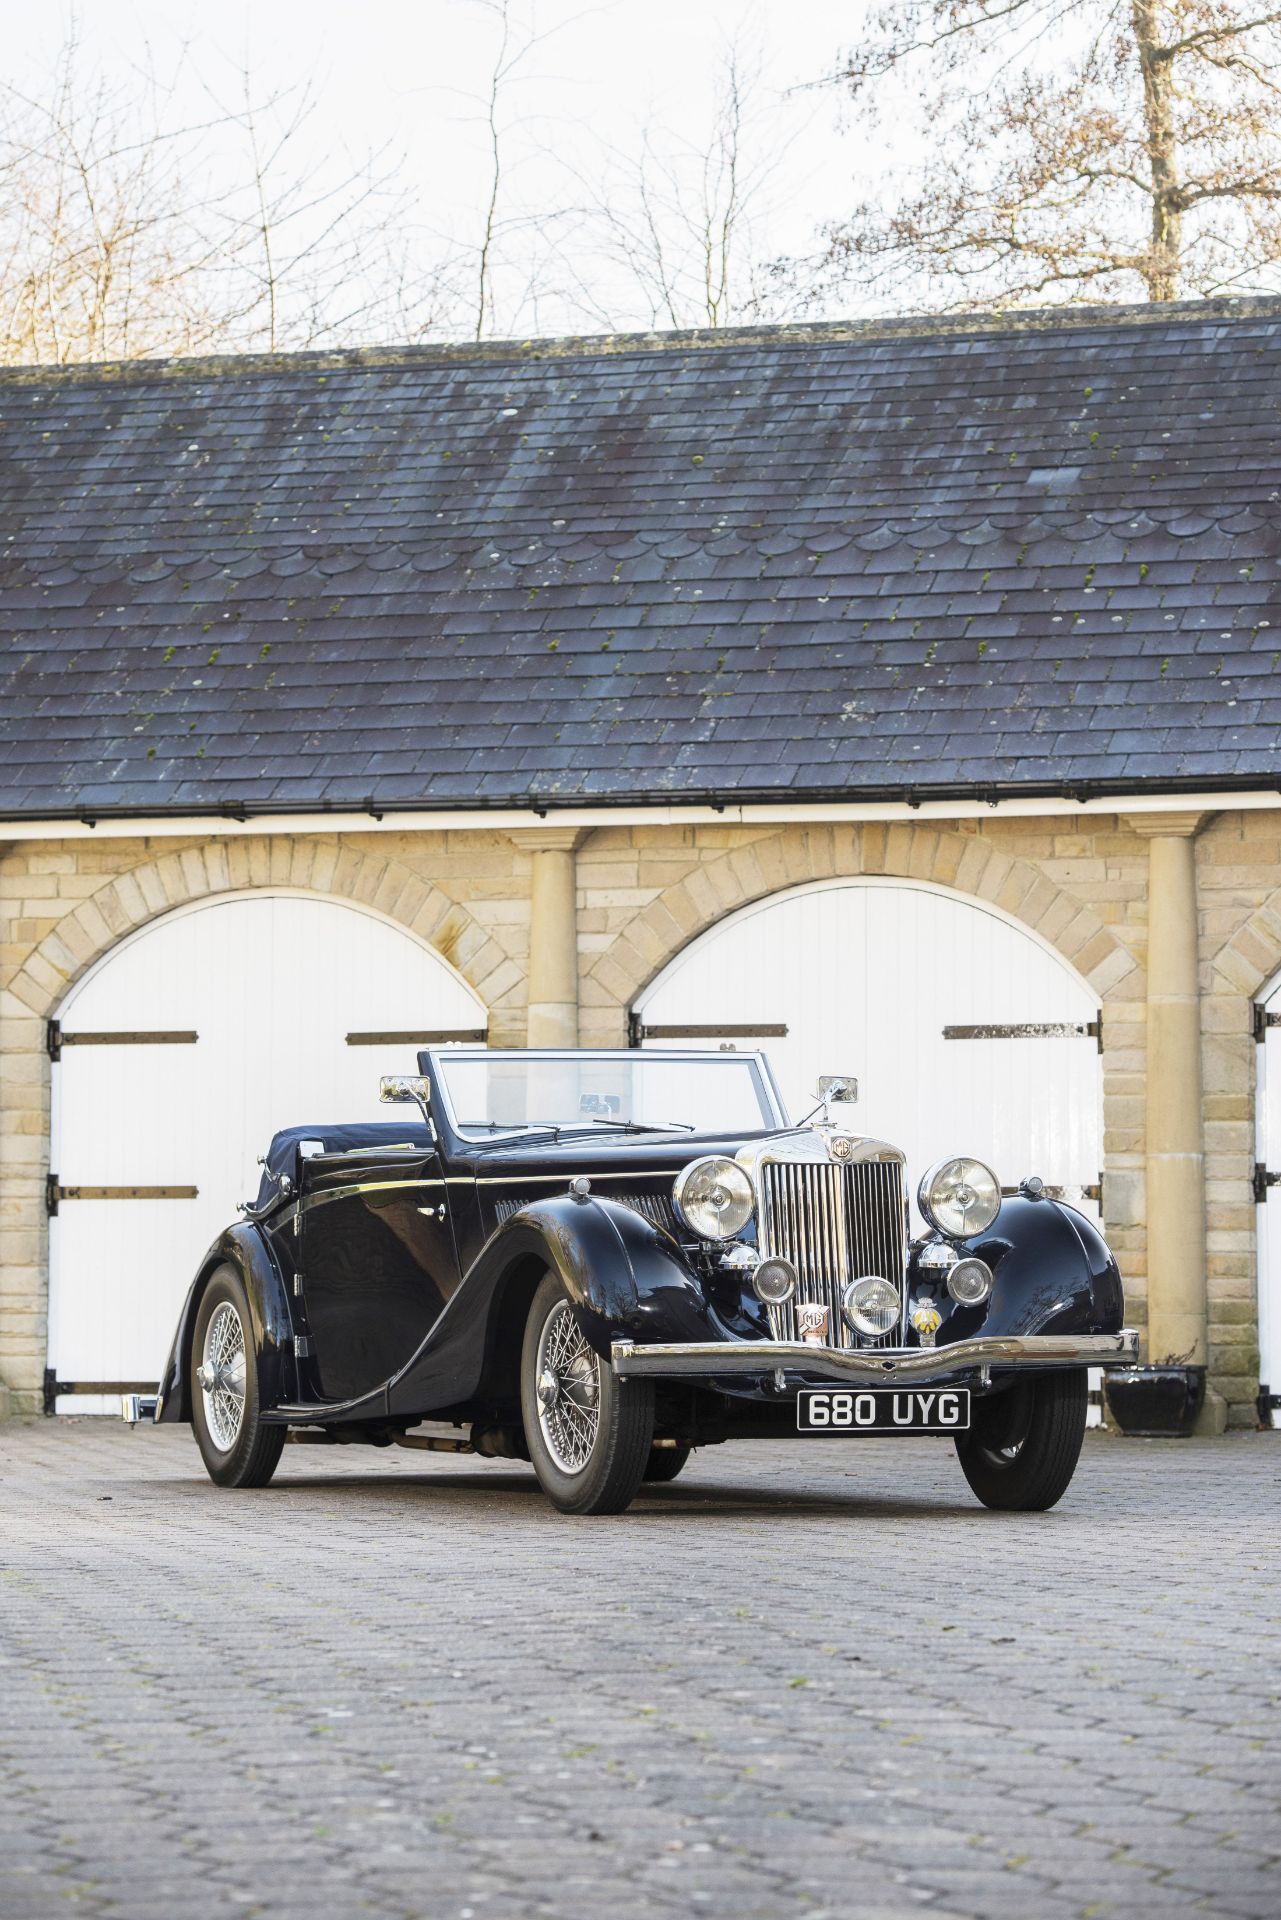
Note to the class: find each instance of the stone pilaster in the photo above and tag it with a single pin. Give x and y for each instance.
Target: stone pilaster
(553, 935)
(1175, 1151)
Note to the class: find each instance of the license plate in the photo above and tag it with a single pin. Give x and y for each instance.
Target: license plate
(893, 1410)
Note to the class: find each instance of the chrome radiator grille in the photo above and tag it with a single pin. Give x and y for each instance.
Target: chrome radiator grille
(835, 1223)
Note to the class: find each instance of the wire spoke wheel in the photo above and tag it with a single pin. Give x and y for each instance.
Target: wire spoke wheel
(568, 1376)
(222, 1376)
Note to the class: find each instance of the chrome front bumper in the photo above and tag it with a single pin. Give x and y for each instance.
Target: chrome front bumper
(713, 1359)
(135, 1407)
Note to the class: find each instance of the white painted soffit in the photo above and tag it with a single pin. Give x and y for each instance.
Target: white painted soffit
(526, 820)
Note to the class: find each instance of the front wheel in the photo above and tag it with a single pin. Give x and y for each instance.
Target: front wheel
(589, 1432)
(1022, 1450)
(226, 1409)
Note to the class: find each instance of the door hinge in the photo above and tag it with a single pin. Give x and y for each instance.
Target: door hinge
(1263, 1180)
(1262, 1021)
(422, 1037)
(55, 1193)
(637, 1031)
(55, 1039)
(302, 1346)
(1031, 1030)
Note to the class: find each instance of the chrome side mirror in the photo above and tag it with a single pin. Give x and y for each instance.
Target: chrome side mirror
(411, 1088)
(833, 1088)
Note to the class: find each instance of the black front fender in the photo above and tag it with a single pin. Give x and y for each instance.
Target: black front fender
(245, 1248)
(627, 1279)
(1052, 1272)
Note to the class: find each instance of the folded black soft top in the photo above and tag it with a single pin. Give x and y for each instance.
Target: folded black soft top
(285, 1154)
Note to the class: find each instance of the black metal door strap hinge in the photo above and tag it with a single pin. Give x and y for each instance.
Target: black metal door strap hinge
(55, 1039)
(422, 1037)
(1031, 1030)
(1263, 1180)
(55, 1193)
(55, 1389)
(637, 1031)
(1262, 1021)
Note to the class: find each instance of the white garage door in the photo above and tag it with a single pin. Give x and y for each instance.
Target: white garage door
(236, 1016)
(915, 991)
(1268, 1195)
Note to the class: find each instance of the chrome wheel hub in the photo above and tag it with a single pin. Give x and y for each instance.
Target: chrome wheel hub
(568, 1388)
(221, 1374)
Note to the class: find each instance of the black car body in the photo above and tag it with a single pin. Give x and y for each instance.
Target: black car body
(385, 1277)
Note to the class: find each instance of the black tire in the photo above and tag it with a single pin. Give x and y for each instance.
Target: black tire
(613, 1425)
(253, 1454)
(1022, 1450)
(665, 1463)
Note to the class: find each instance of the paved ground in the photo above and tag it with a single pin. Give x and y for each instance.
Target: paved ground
(798, 1682)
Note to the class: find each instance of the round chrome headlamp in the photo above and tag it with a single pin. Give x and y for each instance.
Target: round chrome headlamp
(969, 1282)
(871, 1306)
(960, 1197)
(774, 1281)
(714, 1197)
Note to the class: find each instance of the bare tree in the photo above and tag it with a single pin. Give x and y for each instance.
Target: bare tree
(1080, 149)
(679, 217)
(129, 231)
(514, 260)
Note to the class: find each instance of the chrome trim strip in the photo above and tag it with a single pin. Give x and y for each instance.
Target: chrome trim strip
(712, 1358)
(328, 1194)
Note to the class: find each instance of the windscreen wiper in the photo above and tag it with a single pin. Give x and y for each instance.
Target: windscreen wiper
(645, 1126)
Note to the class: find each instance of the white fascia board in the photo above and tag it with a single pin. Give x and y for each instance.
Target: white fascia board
(526, 820)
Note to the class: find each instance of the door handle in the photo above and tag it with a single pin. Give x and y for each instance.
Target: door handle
(437, 1213)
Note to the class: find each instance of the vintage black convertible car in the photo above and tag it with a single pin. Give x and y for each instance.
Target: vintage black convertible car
(597, 1261)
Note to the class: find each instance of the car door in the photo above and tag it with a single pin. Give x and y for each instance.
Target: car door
(378, 1264)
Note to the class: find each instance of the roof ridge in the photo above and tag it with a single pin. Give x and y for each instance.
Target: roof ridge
(1210, 312)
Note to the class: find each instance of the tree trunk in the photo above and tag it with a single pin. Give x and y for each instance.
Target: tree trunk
(1161, 271)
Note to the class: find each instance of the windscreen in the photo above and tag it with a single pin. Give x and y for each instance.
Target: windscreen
(709, 1093)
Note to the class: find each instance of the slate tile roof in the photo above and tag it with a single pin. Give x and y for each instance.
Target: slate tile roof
(935, 557)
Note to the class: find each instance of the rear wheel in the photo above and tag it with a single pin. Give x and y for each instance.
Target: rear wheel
(589, 1432)
(665, 1463)
(1022, 1450)
(237, 1448)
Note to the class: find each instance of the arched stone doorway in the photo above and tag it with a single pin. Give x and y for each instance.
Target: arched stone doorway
(967, 1031)
(246, 1012)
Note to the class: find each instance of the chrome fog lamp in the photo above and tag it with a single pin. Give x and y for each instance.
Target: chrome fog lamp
(714, 1197)
(871, 1306)
(774, 1281)
(969, 1282)
(960, 1197)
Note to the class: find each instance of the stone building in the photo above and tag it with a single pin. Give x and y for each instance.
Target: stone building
(899, 697)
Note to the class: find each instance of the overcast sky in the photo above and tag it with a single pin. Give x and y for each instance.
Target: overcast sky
(406, 78)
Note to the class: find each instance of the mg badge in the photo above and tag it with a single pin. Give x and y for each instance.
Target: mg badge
(927, 1320)
(811, 1319)
(842, 1149)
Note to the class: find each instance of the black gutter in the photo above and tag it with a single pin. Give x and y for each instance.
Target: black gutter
(990, 793)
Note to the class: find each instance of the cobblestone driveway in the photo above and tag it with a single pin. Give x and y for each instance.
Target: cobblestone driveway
(799, 1682)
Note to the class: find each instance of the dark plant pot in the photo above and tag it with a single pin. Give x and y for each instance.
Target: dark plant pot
(1155, 1402)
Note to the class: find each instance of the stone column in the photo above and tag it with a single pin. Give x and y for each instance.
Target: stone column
(553, 935)
(1176, 1234)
